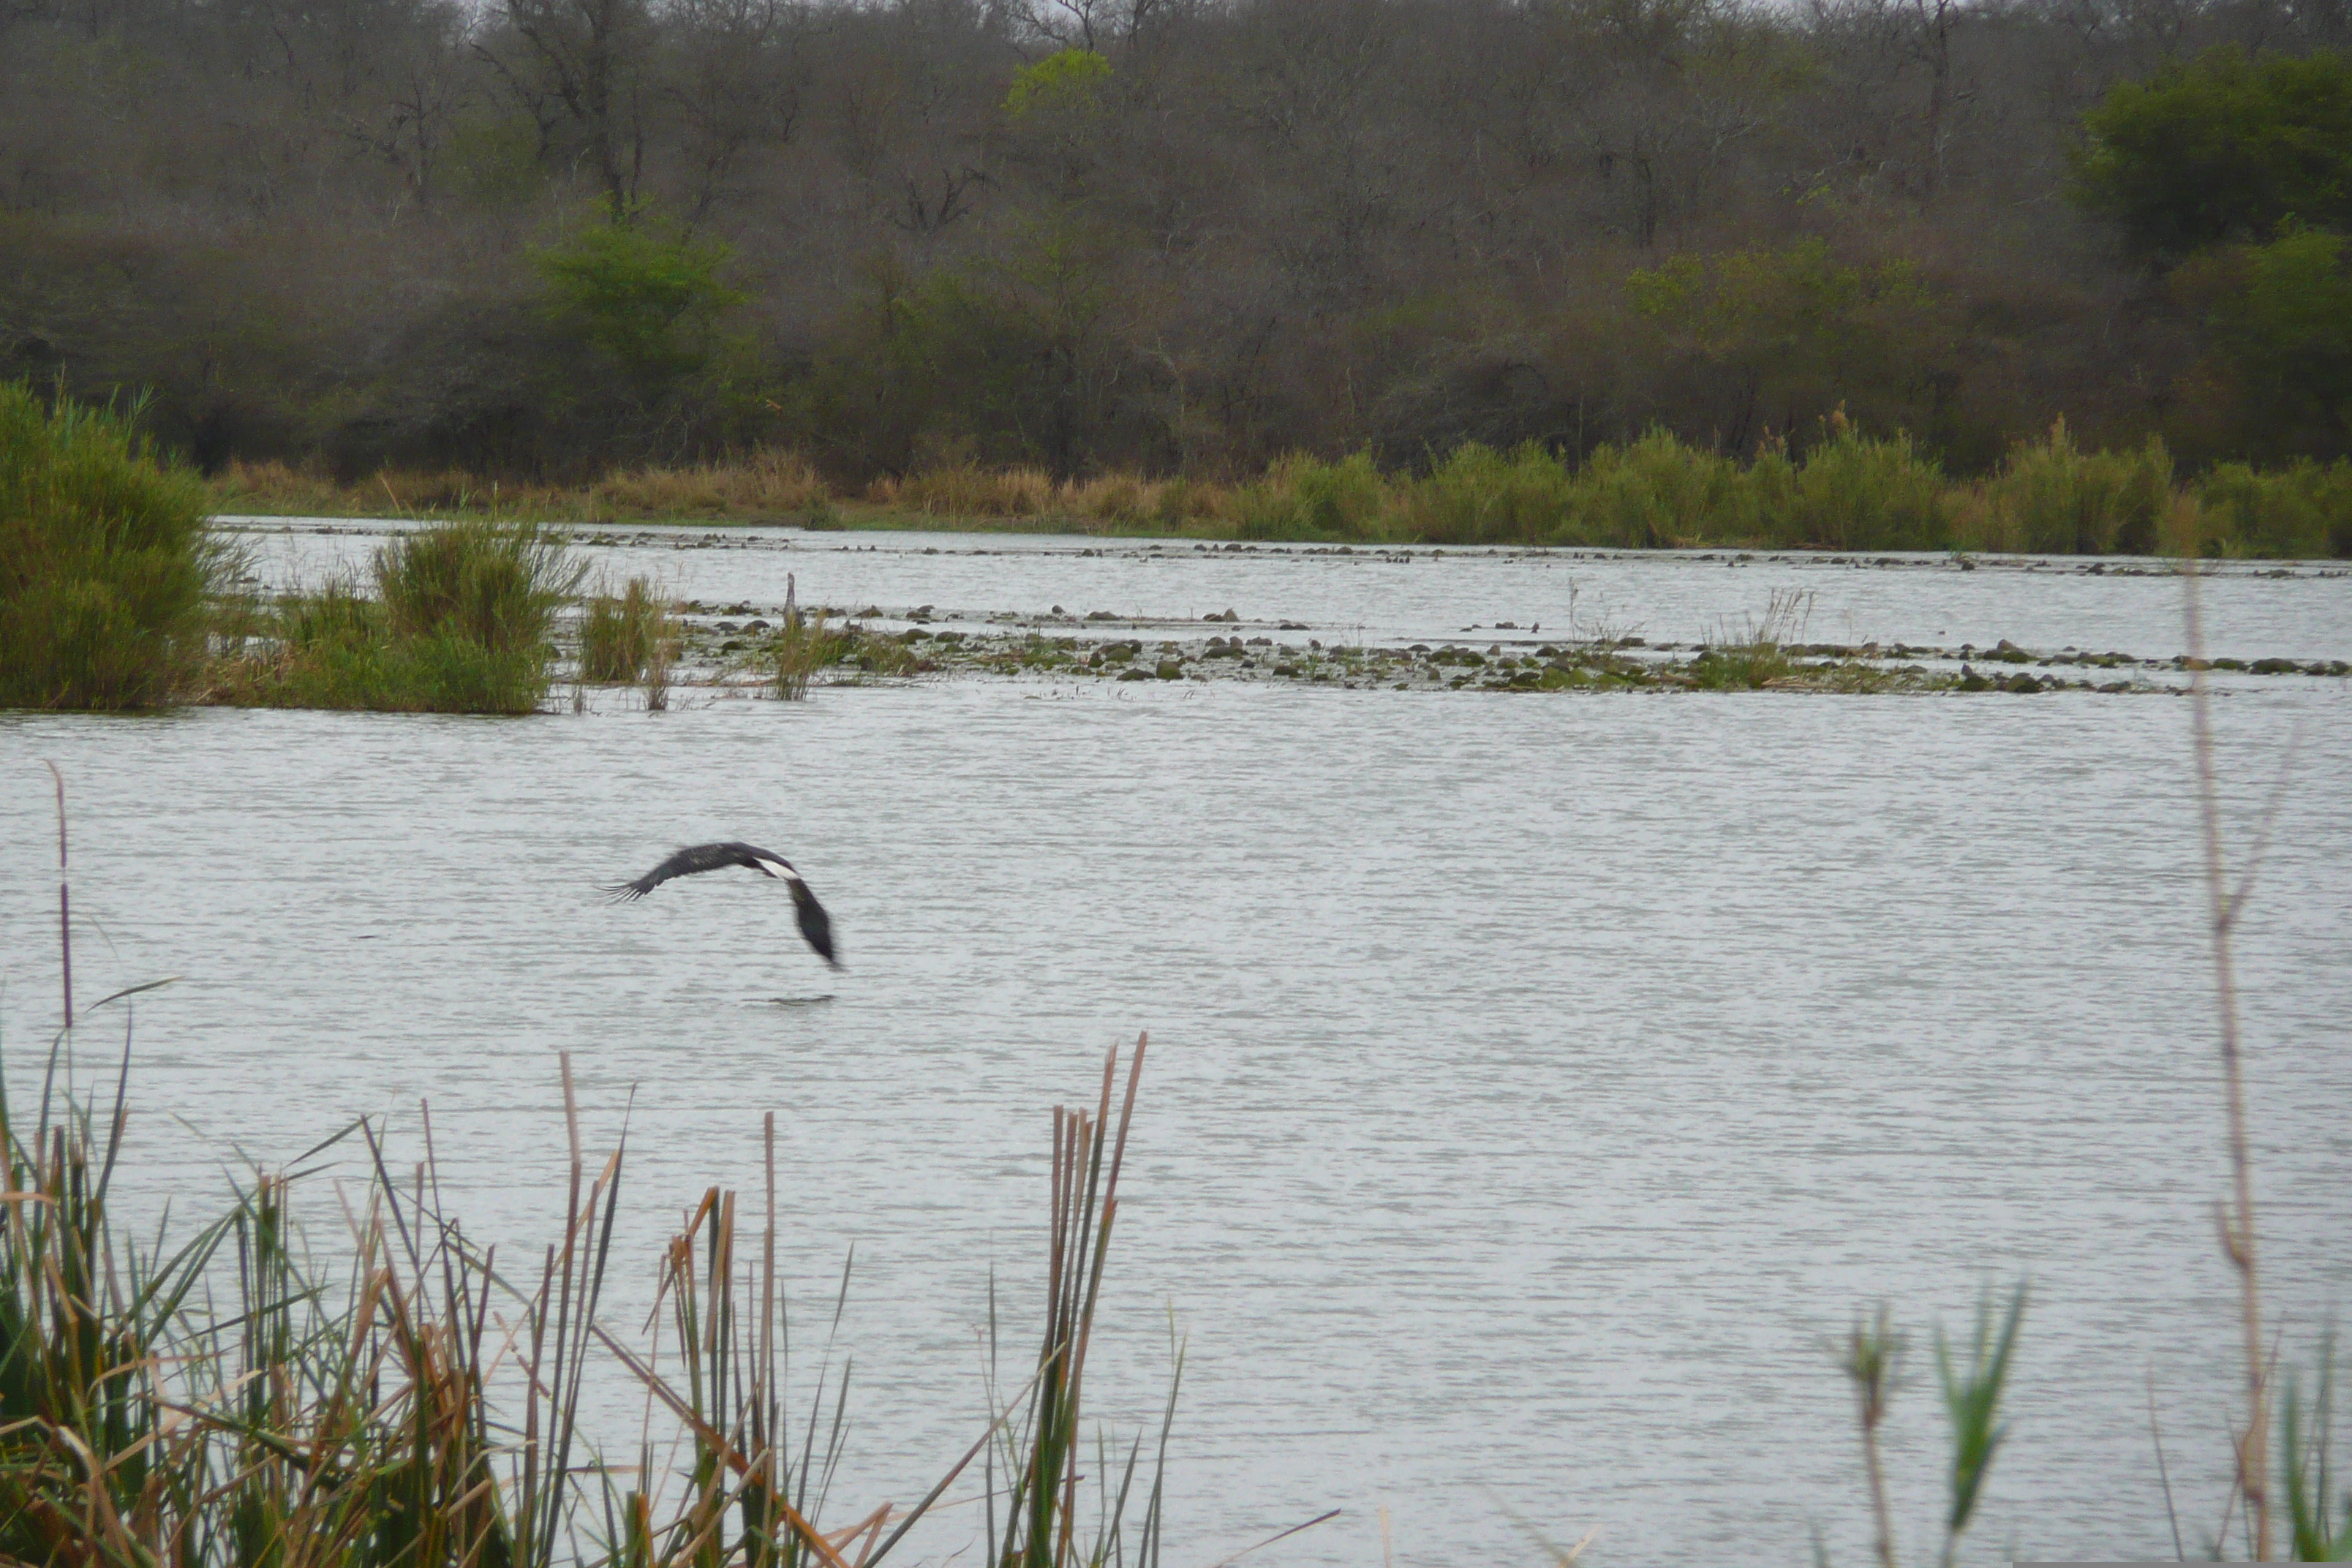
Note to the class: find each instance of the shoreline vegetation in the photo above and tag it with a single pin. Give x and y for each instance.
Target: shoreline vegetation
(123, 598)
(1848, 490)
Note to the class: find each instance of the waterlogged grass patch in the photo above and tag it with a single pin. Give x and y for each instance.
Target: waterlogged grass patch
(1762, 654)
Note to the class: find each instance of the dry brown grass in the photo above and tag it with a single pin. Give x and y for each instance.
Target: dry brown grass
(966, 490)
(1114, 501)
(760, 485)
(763, 482)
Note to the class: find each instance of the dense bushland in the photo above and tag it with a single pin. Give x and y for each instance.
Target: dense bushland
(105, 566)
(541, 240)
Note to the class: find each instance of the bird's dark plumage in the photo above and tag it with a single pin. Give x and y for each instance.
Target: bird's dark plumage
(817, 927)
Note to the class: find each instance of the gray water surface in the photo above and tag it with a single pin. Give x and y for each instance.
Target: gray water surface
(2258, 609)
(1539, 1085)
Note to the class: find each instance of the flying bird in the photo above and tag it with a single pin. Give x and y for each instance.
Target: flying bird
(816, 926)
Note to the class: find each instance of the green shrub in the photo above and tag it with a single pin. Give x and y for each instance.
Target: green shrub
(495, 586)
(1480, 495)
(2054, 499)
(1068, 78)
(2280, 325)
(1658, 493)
(2300, 512)
(1304, 496)
(2223, 147)
(643, 292)
(105, 565)
(1855, 492)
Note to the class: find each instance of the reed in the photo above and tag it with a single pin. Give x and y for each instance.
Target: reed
(1856, 491)
(105, 563)
(760, 484)
(966, 490)
(2225, 901)
(1304, 496)
(1480, 495)
(661, 658)
(495, 586)
(767, 482)
(1658, 493)
(2301, 511)
(801, 649)
(626, 637)
(1874, 1353)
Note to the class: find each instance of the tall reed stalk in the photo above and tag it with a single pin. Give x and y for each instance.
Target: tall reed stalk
(1043, 1455)
(2236, 1220)
(65, 904)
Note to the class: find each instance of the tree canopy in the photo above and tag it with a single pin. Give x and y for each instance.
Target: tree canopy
(2223, 147)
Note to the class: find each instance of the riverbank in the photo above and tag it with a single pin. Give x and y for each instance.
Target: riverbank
(1847, 491)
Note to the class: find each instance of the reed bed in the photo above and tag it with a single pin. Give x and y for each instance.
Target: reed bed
(217, 1400)
(1844, 489)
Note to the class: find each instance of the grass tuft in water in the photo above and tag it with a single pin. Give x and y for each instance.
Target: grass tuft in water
(624, 638)
(458, 623)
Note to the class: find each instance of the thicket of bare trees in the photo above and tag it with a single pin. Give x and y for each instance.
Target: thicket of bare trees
(1177, 233)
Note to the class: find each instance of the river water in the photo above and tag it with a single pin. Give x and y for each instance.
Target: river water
(1538, 1084)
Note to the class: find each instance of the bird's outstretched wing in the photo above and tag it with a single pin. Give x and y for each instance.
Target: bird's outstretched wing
(698, 858)
(817, 926)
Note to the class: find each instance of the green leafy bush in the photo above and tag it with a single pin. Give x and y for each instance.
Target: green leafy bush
(105, 565)
(2054, 499)
(645, 292)
(2300, 512)
(2280, 316)
(1659, 491)
(1478, 496)
(1067, 78)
